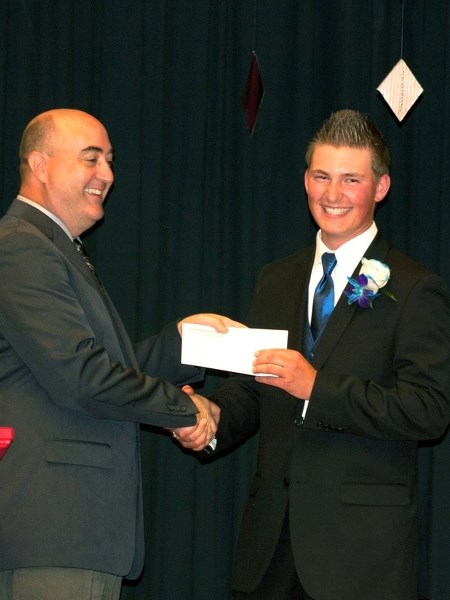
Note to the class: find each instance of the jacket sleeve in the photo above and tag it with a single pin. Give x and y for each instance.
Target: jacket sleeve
(167, 345)
(239, 400)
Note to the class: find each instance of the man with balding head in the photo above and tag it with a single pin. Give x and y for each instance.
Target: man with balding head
(72, 385)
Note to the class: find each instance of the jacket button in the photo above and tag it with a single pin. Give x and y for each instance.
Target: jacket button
(298, 421)
(286, 482)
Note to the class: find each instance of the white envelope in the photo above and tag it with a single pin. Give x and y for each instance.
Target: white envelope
(233, 351)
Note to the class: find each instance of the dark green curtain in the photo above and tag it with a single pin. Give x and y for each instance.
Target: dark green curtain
(199, 205)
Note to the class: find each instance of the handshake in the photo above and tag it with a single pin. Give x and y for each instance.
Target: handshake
(197, 437)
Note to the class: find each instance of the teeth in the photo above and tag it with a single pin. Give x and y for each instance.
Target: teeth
(335, 211)
(93, 191)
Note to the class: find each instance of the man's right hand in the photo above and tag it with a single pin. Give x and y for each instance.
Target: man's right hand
(197, 437)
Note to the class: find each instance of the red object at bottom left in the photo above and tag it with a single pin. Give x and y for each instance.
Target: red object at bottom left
(6, 437)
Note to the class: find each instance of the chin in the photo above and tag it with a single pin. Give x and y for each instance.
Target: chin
(97, 215)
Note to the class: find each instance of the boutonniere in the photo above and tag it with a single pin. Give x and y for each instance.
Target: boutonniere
(369, 284)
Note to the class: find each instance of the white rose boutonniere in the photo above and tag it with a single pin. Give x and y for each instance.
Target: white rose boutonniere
(367, 286)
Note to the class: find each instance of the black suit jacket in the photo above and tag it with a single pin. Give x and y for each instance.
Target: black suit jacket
(347, 472)
(73, 387)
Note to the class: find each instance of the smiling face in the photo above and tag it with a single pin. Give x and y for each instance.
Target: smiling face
(343, 191)
(72, 173)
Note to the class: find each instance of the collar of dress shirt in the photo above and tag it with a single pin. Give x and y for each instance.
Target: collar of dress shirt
(348, 256)
(46, 212)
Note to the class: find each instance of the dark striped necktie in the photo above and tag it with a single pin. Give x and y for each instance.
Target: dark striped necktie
(82, 250)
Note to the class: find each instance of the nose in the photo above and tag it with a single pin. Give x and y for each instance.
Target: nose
(333, 191)
(105, 172)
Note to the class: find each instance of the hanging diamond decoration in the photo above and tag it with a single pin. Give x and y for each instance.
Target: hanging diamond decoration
(400, 89)
(253, 94)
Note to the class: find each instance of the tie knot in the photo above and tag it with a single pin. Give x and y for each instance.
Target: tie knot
(82, 250)
(79, 246)
(328, 262)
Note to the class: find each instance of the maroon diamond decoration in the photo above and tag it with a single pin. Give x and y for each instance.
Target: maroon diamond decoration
(253, 94)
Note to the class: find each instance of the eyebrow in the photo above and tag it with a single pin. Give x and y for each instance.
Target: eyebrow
(97, 149)
(349, 174)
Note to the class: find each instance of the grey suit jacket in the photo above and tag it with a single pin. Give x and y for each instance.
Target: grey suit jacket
(73, 387)
(347, 471)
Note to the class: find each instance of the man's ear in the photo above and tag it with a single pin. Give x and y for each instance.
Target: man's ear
(305, 179)
(383, 185)
(37, 162)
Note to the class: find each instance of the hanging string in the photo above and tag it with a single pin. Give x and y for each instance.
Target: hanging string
(255, 11)
(403, 2)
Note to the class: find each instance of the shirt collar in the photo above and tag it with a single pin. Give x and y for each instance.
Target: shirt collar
(349, 254)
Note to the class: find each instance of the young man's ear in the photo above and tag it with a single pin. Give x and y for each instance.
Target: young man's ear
(383, 185)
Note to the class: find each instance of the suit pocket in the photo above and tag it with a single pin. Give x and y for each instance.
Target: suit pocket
(76, 452)
(375, 494)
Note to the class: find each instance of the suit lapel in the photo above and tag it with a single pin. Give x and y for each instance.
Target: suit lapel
(343, 312)
(297, 298)
(58, 236)
(53, 232)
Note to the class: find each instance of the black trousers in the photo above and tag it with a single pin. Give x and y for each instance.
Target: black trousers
(280, 581)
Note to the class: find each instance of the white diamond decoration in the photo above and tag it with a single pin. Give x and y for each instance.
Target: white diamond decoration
(400, 89)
